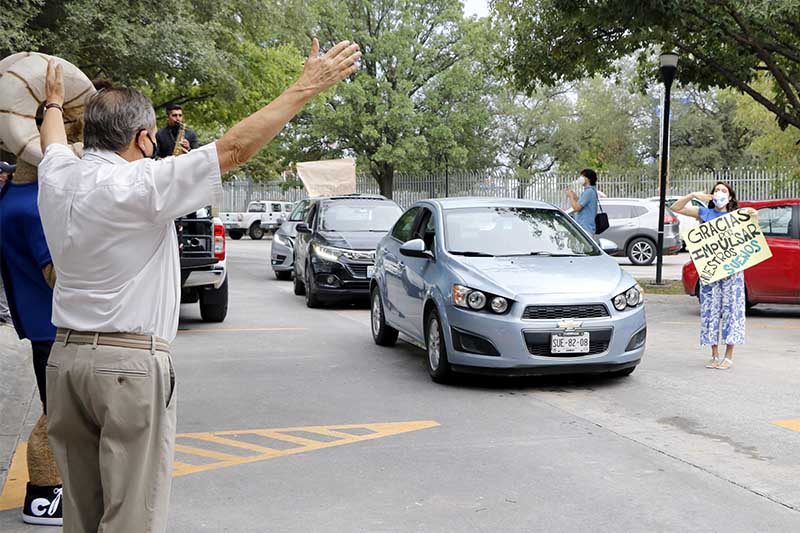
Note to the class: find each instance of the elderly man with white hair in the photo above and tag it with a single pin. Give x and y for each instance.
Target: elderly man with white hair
(108, 220)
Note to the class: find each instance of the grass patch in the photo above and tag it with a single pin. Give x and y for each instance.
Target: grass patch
(667, 286)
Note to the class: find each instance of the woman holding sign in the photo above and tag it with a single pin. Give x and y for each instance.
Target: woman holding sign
(723, 302)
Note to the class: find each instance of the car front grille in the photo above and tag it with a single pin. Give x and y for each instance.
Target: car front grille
(557, 312)
(539, 343)
(358, 270)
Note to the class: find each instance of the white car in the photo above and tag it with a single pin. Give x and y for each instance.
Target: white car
(261, 216)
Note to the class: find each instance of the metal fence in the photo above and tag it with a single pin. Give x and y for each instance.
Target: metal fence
(750, 184)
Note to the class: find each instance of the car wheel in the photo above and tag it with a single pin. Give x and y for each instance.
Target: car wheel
(283, 275)
(438, 364)
(641, 251)
(214, 303)
(299, 286)
(312, 299)
(235, 234)
(382, 333)
(256, 232)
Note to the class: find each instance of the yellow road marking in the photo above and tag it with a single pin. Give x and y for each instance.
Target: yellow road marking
(749, 326)
(793, 424)
(13, 494)
(235, 443)
(238, 330)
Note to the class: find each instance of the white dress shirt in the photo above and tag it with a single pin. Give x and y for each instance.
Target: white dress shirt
(110, 228)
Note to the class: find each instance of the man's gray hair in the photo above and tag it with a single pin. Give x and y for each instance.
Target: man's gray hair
(113, 116)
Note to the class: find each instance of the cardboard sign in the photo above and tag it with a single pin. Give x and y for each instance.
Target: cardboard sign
(328, 178)
(726, 245)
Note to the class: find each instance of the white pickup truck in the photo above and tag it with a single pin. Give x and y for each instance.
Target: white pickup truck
(261, 216)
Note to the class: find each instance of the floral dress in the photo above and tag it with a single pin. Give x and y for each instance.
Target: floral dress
(722, 304)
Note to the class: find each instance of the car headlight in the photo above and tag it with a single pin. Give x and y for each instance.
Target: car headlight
(499, 305)
(631, 298)
(476, 300)
(326, 253)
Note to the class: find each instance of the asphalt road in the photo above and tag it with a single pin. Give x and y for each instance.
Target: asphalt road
(324, 431)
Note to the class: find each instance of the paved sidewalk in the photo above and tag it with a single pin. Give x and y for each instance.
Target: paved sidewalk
(17, 390)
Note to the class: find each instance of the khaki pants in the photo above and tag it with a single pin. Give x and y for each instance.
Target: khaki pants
(112, 429)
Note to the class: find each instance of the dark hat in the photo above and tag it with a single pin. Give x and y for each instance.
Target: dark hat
(7, 167)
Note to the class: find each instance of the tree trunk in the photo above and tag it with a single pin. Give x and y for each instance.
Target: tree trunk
(385, 178)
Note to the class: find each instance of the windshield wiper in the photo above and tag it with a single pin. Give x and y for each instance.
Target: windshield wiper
(545, 254)
(472, 254)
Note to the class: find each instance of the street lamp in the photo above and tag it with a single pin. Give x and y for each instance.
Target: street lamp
(669, 65)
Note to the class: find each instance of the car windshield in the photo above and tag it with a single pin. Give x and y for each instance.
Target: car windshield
(514, 231)
(359, 216)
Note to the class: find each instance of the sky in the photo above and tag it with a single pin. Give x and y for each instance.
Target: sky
(476, 7)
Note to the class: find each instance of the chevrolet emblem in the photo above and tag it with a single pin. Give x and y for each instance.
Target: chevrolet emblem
(569, 324)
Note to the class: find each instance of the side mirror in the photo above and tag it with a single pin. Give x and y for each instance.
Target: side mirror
(302, 228)
(608, 247)
(415, 248)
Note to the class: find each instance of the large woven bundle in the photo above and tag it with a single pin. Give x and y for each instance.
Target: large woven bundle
(22, 83)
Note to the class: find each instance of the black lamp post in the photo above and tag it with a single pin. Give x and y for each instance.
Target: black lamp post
(669, 65)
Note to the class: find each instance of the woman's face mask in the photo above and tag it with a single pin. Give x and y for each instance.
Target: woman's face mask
(720, 199)
(581, 181)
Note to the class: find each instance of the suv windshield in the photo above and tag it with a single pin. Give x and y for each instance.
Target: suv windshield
(508, 231)
(359, 216)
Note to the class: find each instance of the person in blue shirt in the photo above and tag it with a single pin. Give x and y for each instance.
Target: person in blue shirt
(28, 276)
(585, 207)
(6, 171)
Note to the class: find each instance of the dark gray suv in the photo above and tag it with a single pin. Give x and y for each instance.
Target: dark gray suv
(334, 251)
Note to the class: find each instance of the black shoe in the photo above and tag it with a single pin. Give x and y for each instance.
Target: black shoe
(43, 506)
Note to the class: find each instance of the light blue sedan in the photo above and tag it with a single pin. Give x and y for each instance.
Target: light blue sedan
(505, 287)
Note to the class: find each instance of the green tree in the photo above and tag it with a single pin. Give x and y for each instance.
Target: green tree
(420, 101)
(723, 43)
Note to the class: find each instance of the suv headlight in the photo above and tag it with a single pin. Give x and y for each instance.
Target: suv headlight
(476, 300)
(327, 253)
(633, 297)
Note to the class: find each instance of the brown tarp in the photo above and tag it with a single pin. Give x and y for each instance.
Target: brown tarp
(328, 178)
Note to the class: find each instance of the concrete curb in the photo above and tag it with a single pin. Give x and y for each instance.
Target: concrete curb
(17, 390)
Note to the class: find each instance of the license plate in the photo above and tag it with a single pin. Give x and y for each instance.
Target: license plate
(569, 343)
(229, 225)
(370, 271)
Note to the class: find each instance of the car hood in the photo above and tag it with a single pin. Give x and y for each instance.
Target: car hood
(515, 276)
(352, 240)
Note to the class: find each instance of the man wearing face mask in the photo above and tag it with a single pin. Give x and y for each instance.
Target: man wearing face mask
(108, 219)
(585, 207)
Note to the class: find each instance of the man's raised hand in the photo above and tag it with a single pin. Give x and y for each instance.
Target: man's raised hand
(325, 71)
(54, 83)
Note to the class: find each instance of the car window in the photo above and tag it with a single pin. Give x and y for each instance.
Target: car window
(309, 218)
(638, 211)
(256, 207)
(776, 221)
(405, 225)
(276, 208)
(365, 215)
(509, 231)
(426, 229)
(617, 211)
(299, 212)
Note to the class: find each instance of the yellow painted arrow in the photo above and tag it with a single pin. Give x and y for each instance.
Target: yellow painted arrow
(201, 452)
